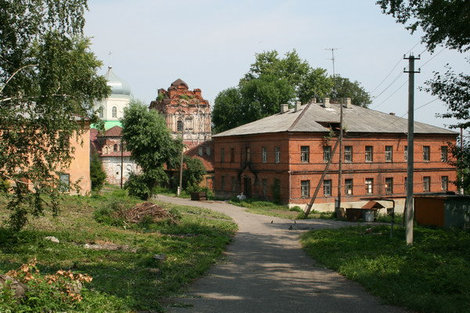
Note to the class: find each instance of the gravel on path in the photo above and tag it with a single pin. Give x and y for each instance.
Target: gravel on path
(266, 270)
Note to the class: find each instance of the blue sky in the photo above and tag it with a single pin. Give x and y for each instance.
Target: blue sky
(210, 44)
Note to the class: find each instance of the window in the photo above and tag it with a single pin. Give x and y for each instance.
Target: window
(426, 153)
(327, 187)
(388, 153)
(369, 185)
(348, 154)
(114, 112)
(264, 155)
(444, 153)
(406, 153)
(222, 182)
(427, 183)
(277, 154)
(100, 112)
(326, 153)
(179, 126)
(232, 155)
(222, 155)
(234, 184)
(445, 182)
(305, 188)
(389, 185)
(208, 150)
(248, 154)
(304, 154)
(115, 148)
(200, 151)
(369, 153)
(348, 187)
(64, 182)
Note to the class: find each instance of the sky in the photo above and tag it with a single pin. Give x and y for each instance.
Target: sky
(210, 44)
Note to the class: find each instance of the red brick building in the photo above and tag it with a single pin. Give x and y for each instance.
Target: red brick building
(186, 112)
(283, 156)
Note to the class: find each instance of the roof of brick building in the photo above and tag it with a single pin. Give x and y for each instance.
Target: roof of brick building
(315, 117)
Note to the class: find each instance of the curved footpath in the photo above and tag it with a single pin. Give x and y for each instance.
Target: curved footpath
(265, 270)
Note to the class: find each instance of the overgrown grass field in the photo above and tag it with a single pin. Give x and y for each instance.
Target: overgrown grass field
(433, 275)
(127, 280)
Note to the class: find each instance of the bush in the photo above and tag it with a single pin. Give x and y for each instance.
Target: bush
(97, 174)
(137, 186)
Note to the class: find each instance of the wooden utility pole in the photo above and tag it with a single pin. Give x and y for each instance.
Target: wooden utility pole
(462, 190)
(409, 214)
(122, 160)
(340, 160)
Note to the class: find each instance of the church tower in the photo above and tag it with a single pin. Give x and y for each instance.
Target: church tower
(186, 112)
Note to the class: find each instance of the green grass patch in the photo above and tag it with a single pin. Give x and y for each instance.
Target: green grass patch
(124, 280)
(265, 208)
(433, 275)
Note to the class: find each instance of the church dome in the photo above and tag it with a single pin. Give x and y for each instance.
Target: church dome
(118, 86)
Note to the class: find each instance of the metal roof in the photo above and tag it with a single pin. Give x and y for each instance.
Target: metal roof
(314, 117)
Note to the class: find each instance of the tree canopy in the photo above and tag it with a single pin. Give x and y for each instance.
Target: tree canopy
(48, 84)
(273, 80)
(444, 22)
(148, 139)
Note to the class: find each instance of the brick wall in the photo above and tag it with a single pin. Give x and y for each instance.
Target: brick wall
(261, 170)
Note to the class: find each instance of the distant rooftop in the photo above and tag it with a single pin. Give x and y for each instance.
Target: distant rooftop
(315, 117)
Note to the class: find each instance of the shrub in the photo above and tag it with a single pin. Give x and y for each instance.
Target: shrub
(137, 186)
(45, 293)
(97, 174)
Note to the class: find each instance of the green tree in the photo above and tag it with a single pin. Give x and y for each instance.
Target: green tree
(273, 80)
(193, 172)
(48, 84)
(97, 174)
(227, 110)
(151, 145)
(344, 88)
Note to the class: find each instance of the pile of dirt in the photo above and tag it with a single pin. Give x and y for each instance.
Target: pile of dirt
(146, 210)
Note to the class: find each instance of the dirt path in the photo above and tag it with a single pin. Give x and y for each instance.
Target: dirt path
(266, 270)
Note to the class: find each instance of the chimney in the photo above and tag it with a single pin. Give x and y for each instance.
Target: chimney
(326, 102)
(284, 108)
(348, 103)
(314, 100)
(298, 104)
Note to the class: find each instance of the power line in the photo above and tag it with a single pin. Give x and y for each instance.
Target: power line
(432, 57)
(394, 67)
(401, 86)
(390, 85)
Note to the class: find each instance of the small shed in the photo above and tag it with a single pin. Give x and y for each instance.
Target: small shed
(442, 210)
(367, 212)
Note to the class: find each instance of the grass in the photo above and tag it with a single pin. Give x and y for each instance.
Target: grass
(279, 210)
(123, 281)
(266, 208)
(433, 275)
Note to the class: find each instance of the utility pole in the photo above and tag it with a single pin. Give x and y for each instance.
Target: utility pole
(122, 159)
(180, 187)
(340, 160)
(409, 214)
(462, 190)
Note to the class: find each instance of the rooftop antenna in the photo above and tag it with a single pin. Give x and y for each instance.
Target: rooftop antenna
(332, 58)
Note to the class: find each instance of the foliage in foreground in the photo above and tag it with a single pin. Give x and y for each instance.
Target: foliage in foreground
(433, 275)
(44, 293)
(128, 279)
(48, 85)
